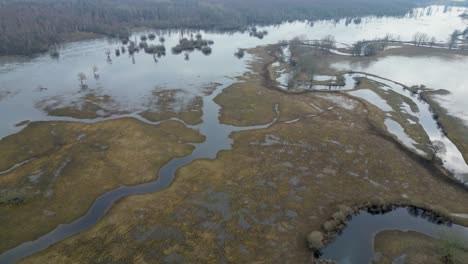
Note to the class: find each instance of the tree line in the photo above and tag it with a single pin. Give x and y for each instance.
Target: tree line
(29, 26)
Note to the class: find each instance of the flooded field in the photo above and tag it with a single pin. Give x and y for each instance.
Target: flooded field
(250, 128)
(127, 83)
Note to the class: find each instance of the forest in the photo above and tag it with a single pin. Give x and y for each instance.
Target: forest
(29, 26)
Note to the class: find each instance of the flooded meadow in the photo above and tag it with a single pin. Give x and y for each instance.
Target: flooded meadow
(236, 147)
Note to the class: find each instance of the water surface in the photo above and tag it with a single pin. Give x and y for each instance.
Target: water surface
(355, 244)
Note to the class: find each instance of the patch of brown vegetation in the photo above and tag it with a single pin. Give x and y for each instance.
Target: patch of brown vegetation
(415, 248)
(70, 164)
(177, 103)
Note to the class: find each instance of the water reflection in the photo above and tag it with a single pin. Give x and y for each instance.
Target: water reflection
(130, 77)
(449, 73)
(364, 226)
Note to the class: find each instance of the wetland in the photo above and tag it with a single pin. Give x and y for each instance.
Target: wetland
(289, 153)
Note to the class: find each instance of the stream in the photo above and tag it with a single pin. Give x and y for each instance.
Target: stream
(217, 139)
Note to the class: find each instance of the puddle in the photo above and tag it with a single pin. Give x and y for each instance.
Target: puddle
(373, 98)
(397, 130)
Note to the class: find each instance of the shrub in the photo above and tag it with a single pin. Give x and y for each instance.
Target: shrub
(143, 38)
(329, 226)
(206, 50)
(143, 45)
(339, 216)
(162, 39)
(151, 36)
(177, 49)
(156, 49)
(346, 210)
(54, 53)
(315, 240)
(240, 53)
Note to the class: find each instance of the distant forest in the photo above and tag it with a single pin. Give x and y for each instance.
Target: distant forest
(29, 26)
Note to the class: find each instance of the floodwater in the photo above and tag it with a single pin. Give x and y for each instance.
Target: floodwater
(373, 98)
(450, 73)
(397, 130)
(29, 84)
(355, 244)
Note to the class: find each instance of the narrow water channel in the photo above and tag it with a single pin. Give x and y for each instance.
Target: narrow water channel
(217, 139)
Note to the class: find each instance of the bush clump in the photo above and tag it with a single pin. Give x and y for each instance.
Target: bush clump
(315, 240)
(151, 36)
(206, 50)
(54, 53)
(143, 45)
(143, 38)
(240, 53)
(329, 226)
(159, 50)
(253, 32)
(198, 43)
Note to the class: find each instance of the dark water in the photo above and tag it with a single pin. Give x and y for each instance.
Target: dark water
(355, 244)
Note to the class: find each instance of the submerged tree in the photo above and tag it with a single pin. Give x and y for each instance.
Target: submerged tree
(453, 38)
(82, 78)
(95, 73)
(54, 53)
(206, 50)
(239, 53)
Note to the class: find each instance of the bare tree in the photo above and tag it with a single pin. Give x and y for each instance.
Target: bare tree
(239, 53)
(432, 42)
(437, 148)
(82, 78)
(95, 72)
(420, 38)
(108, 53)
(453, 38)
(328, 42)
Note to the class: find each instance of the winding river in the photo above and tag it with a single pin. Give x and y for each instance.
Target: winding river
(217, 139)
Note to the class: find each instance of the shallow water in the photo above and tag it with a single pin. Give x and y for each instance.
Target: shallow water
(397, 130)
(434, 72)
(347, 250)
(22, 80)
(372, 98)
(217, 139)
(349, 84)
(452, 159)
